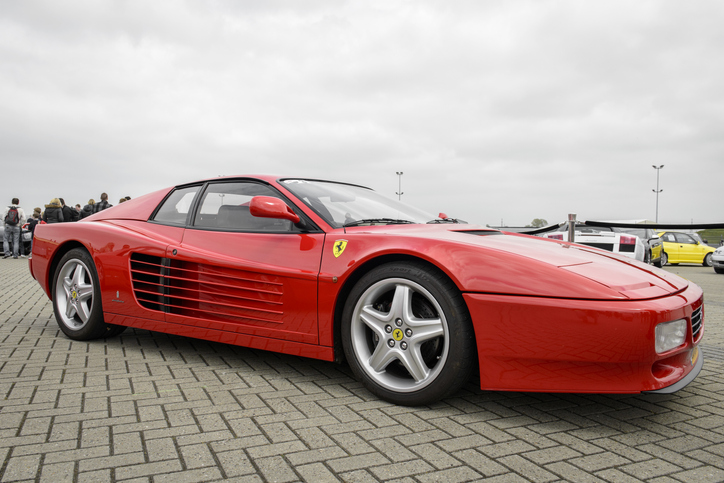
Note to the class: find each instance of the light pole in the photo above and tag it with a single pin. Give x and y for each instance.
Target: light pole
(399, 185)
(657, 190)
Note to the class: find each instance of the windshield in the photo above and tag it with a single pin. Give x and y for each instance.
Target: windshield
(349, 205)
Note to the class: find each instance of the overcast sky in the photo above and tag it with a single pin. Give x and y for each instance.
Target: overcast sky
(496, 111)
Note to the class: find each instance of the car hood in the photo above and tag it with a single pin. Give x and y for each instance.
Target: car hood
(616, 277)
(490, 261)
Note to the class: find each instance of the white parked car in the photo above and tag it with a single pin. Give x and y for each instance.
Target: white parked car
(717, 260)
(604, 238)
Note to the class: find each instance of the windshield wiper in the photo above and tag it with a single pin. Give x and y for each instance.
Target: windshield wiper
(377, 221)
(446, 220)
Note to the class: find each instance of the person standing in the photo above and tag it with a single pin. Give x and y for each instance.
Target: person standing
(69, 214)
(53, 212)
(87, 209)
(32, 222)
(14, 219)
(103, 204)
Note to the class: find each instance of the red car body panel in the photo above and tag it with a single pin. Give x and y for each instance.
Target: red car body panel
(547, 315)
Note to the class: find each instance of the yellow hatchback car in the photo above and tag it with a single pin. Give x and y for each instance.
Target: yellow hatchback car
(684, 248)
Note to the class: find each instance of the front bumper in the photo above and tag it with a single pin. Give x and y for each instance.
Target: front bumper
(557, 345)
(683, 382)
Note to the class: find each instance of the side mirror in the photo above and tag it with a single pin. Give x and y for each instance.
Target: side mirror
(270, 207)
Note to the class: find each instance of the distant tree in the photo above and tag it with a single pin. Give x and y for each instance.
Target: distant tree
(538, 223)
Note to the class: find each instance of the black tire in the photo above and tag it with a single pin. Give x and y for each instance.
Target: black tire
(718, 270)
(707, 260)
(664, 258)
(77, 298)
(659, 264)
(647, 257)
(407, 334)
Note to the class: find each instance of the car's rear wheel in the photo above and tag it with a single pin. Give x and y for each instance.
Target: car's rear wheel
(707, 260)
(718, 270)
(77, 298)
(407, 334)
(664, 258)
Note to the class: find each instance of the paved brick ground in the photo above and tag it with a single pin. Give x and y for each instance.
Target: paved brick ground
(150, 407)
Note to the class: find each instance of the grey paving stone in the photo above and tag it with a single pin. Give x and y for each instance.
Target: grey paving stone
(527, 469)
(316, 472)
(275, 468)
(21, 468)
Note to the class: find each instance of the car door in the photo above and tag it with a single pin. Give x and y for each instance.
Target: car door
(241, 274)
(689, 249)
(671, 247)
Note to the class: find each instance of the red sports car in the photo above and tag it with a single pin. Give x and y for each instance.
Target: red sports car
(335, 271)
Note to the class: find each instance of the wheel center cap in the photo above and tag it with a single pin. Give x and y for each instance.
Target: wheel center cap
(398, 335)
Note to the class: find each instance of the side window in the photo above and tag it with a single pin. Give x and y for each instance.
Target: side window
(669, 237)
(175, 209)
(225, 206)
(683, 238)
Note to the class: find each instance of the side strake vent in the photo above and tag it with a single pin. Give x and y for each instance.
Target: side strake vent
(697, 318)
(205, 291)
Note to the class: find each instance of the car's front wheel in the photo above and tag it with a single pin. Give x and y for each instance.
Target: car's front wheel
(664, 258)
(707, 260)
(77, 298)
(407, 334)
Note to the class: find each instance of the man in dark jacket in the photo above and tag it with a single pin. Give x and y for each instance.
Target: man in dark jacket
(14, 218)
(69, 214)
(102, 204)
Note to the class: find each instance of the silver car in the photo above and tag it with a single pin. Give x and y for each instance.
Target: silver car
(25, 236)
(717, 260)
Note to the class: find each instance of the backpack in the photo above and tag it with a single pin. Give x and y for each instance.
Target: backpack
(12, 218)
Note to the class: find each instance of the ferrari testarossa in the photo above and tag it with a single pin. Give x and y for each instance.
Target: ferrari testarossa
(335, 271)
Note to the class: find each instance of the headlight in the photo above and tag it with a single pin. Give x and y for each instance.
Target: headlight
(670, 335)
(719, 251)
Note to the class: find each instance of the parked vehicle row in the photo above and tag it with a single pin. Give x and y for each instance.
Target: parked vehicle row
(659, 248)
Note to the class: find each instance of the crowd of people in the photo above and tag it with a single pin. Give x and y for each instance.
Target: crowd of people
(56, 211)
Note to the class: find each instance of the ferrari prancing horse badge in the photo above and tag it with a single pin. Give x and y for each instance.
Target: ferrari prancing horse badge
(339, 247)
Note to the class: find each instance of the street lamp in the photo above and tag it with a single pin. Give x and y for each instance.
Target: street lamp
(399, 185)
(657, 190)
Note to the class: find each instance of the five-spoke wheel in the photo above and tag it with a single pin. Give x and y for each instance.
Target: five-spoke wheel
(77, 299)
(407, 334)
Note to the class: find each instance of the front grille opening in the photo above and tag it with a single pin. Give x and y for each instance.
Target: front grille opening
(697, 321)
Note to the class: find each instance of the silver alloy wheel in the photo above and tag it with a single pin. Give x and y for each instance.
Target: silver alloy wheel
(74, 294)
(397, 348)
(707, 260)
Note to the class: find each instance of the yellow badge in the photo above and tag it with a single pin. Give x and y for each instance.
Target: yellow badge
(339, 247)
(397, 335)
